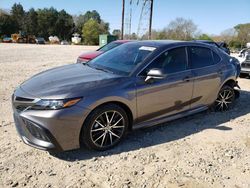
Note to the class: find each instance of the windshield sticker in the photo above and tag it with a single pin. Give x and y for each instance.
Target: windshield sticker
(147, 48)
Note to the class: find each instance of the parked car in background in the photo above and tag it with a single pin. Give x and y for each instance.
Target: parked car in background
(134, 85)
(85, 57)
(7, 40)
(244, 52)
(221, 45)
(64, 42)
(40, 40)
(245, 62)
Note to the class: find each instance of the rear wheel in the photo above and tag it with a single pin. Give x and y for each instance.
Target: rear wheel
(225, 99)
(105, 127)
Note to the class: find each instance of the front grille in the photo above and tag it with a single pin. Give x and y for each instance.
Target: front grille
(36, 131)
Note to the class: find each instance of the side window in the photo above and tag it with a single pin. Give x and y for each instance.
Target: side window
(171, 61)
(200, 57)
(216, 57)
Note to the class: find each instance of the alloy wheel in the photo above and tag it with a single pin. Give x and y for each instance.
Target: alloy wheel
(224, 100)
(107, 129)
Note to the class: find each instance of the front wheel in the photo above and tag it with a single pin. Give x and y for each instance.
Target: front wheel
(105, 127)
(225, 99)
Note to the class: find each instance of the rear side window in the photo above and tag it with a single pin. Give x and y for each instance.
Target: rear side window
(171, 61)
(217, 58)
(200, 57)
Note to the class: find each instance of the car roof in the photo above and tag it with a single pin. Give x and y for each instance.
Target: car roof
(123, 41)
(165, 43)
(205, 41)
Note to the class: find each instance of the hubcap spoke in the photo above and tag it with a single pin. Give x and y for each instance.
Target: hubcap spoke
(103, 139)
(100, 129)
(99, 137)
(107, 118)
(117, 127)
(111, 139)
(99, 123)
(114, 134)
(112, 117)
(117, 122)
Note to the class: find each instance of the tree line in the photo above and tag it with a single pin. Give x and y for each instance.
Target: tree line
(186, 29)
(50, 22)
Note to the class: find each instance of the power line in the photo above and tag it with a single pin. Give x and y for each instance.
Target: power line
(145, 20)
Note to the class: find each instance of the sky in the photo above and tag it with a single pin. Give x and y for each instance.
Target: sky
(211, 16)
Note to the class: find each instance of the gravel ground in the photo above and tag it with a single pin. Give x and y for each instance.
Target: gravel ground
(205, 150)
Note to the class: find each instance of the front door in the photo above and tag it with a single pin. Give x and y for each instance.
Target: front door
(167, 96)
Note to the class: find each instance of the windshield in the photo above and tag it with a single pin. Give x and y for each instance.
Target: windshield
(109, 46)
(123, 59)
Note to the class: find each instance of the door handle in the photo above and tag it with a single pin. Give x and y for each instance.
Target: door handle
(187, 78)
(220, 72)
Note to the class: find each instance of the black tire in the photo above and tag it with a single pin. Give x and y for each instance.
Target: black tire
(225, 99)
(99, 135)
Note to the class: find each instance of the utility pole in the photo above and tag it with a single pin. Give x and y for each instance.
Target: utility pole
(122, 30)
(150, 20)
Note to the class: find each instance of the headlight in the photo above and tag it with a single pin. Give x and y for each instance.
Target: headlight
(55, 104)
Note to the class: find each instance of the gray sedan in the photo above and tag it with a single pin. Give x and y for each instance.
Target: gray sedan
(135, 85)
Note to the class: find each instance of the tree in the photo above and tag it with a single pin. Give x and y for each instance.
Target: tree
(91, 31)
(243, 33)
(46, 20)
(7, 25)
(117, 32)
(228, 35)
(181, 29)
(204, 37)
(18, 16)
(84, 18)
(64, 25)
(30, 25)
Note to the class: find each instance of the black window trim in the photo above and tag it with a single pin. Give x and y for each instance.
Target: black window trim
(172, 48)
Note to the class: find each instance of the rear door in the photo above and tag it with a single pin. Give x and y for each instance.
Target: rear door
(207, 71)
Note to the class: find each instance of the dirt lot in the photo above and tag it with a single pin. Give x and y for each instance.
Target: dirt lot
(205, 150)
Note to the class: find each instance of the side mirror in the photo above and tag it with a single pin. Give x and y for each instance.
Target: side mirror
(155, 74)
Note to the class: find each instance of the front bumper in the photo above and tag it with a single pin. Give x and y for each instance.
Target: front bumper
(53, 130)
(31, 139)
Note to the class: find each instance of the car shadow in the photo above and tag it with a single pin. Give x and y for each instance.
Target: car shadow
(169, 131)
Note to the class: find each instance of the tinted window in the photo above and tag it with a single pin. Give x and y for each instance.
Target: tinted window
(171, 61)
(216, 58)
(200, 57)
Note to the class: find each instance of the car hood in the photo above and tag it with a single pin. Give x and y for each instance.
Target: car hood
(90, 55)
(68, 81)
